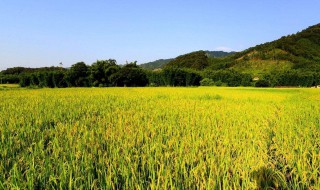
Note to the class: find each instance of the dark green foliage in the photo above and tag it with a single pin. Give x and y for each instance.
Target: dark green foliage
(220, 63)
(34, 80)
(58, 78)
(43, 79)
(196, 60)
(24, 80)
(78, 75)
(181, 77)
(295, 78)
(316, 77)
(49, 79)
(192, 77)
(262, 83)
(20, 70)
(9, 78)
(156, 78)
(292, 78)
(101, 73)
(155, 64)
(174, 77)
(169, 76)
(108, 73)
(130, 75)
(14, 71)
(13, 75)
(207, 82)
(217, 54)
(102, 70)
(158, 64)
(230, 77)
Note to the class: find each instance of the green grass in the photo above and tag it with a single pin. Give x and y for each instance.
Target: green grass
(160, 138)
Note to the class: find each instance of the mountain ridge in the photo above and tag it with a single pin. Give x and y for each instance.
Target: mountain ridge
(295, 51)
(160, 63)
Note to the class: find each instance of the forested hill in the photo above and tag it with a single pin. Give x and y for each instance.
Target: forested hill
(162, 62)
(300, 51)
(155, 64)
(217, 54)
(297, 51)
(196, 60)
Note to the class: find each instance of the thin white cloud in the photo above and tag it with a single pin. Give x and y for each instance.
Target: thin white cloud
(223, 48)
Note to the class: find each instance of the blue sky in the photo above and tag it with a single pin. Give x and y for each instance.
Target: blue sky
(35, 33)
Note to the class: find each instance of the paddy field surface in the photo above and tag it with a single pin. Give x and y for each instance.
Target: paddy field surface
(159, 138)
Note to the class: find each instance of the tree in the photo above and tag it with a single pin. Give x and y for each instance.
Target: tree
(230, 77)
(101, 70)
(181, 77)
(155, 78)
(24, 80)
(9, 78)
(129, 75)
(78, 75)
(262, 83)
(207, 82)
(59, 79)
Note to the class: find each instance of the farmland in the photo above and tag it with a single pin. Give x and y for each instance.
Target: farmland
(159, 138)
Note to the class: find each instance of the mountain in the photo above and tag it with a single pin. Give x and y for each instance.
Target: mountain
(197, 60)
(162, 62)
(155, 64)
(218, 54)
(300, 51)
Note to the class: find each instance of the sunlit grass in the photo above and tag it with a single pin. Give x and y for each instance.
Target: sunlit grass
(9, 86)
(159, 138)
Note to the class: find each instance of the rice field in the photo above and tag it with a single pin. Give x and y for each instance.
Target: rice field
(159, 138)
(3, 86)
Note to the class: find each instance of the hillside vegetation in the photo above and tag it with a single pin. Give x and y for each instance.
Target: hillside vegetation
(297, 51)
(155, 64)
(196, 60)
(292, 60)
(158, 64)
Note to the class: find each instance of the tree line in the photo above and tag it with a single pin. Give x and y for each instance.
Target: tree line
(106, 73)
(102, 73)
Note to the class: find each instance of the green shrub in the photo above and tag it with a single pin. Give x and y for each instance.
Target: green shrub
(207, 82)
